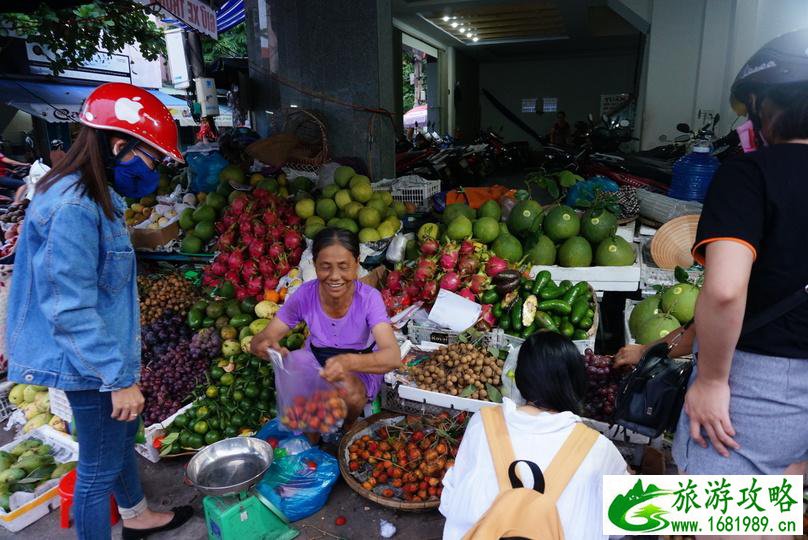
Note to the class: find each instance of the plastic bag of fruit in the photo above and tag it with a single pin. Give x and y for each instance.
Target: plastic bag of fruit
(299, 485)
(509, 388)
(307, 403)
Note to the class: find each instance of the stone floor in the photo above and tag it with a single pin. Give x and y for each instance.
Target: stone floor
(163, 484)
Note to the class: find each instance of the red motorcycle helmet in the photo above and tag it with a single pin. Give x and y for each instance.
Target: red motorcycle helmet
(134, 111)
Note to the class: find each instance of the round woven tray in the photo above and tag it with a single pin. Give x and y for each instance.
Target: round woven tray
(359, 429)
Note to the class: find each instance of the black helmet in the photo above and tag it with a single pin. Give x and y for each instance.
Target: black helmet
(56, 143)
(781, 61)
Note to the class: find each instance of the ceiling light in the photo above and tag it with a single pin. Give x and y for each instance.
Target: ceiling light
(462, 29)
(468, 34)
(475, 39)
(454, 25)
(445, 18)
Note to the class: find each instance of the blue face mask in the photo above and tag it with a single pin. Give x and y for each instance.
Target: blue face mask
(135, 179)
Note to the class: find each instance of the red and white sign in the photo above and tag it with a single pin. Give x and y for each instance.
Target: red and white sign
(195, 13)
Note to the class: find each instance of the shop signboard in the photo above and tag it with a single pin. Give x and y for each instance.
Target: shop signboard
(102, 67)
(195, 13)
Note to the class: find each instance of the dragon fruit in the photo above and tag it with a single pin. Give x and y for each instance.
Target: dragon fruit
(495, 265)
(469, 264)
(466, 247)
(466, 293)
(430, 246)
(449, 257)
(479, 282)
(425, 270)
(450, 281)
(394, 281)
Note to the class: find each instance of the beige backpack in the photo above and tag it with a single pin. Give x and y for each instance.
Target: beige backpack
(518, 511)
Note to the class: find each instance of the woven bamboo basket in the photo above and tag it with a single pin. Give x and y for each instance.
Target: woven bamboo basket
(364, 427)
(309, 127)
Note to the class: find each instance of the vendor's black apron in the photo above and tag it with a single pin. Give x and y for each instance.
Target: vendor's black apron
(322, 354)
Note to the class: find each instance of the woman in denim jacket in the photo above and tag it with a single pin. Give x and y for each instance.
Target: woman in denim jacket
(73, 320)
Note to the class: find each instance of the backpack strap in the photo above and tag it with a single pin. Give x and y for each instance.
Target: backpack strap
(567, 460)
(499, 443)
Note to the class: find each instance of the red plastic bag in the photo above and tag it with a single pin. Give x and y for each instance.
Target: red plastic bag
(307, 403)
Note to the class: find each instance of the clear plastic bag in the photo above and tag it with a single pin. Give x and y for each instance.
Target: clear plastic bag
(299, 485)
(509, 389)
(307, 403)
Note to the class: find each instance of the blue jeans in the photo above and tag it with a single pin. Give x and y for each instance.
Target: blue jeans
(106, 465)
(9, 182)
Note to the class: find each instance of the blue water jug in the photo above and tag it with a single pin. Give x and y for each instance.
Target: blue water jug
(692, 174)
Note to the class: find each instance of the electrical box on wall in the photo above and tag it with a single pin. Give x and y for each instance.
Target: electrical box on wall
(206, 96)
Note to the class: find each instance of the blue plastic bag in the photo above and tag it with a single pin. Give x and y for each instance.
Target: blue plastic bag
(204, 169)
(586, 191)
(299, 485)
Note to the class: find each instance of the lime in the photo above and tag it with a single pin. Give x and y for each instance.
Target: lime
(330, 190)
(212, 437)
(201, 427)
(236, 421)
(230, 431)
(238, 395)
(227, 379)
(369, 217)
(216, 373)
(184, 439)
(251, 391)
(180, 421)
(195, 441)
(212, 392)
(202, 412)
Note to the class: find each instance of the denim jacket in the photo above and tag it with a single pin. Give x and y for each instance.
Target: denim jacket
(73, 316)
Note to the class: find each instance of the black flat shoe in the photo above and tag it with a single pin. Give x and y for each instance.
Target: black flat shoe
(181, 515)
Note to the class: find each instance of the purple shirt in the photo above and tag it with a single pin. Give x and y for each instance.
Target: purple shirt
(352, 331)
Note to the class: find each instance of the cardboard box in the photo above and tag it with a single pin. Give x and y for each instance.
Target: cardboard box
(154, 238)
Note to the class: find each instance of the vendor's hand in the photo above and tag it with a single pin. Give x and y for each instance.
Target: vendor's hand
(707, 405)
(630, 355)
(336, 368)
(260, 348)
(127, 404)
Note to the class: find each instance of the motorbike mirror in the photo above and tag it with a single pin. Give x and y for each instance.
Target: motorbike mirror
(624, 123)
(682, 138)
(684, 128)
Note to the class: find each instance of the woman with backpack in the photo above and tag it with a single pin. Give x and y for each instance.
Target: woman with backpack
(551, 378)
(747, 404)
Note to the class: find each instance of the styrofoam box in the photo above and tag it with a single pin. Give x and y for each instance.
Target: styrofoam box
(147, 449)
(602, 278)
(441, 400)
(30, 507)
(420, 333)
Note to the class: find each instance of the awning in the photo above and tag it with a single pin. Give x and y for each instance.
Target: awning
(228, 15)
(57, 102)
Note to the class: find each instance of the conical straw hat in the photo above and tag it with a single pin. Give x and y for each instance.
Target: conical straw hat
(672, 243)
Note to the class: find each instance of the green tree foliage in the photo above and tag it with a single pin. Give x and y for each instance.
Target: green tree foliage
(232, 43)
(409, 89)
(74, 35)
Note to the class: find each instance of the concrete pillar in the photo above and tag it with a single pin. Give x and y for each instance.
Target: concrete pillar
(322, 49)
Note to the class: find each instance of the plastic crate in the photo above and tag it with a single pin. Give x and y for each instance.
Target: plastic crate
(651, 275)
(391, 401)
(415, 190)
(420, 333)
(383, 185)
(6, 408)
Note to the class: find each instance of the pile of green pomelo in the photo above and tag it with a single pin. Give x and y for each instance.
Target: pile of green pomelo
(350, 203)
(659, 315)
(537, 236)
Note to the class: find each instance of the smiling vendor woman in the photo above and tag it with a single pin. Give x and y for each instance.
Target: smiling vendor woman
(350, 333)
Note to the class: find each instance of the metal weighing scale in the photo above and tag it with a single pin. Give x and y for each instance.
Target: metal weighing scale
(226, 472)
